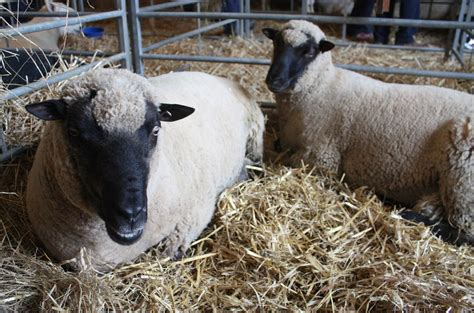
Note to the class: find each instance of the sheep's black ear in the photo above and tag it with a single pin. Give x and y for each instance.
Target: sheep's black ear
(48, 110)
(270, 33)
(174, 112)
(325, 45)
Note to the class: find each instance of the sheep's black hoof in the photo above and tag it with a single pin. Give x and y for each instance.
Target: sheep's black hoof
(178, 255)
(441, 229)
(450, 234)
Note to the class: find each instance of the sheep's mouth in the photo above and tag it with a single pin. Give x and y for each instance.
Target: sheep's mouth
(122, 238)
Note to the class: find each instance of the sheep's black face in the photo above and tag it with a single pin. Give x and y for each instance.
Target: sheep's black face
(288, 62)
(113, 166)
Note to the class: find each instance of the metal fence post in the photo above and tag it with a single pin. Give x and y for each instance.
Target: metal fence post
(240, 24)
(123, 35)
(247, 22)
(137, 47)
(81, 6)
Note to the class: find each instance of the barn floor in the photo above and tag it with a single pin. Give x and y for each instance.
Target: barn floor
(294, 239)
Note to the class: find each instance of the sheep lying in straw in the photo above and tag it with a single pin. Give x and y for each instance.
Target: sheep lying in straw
(46, 39)
(412, 144)
(113, 157)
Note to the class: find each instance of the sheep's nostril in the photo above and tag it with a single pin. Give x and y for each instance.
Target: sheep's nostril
(131, 213)
(272, 81)
(131, 179)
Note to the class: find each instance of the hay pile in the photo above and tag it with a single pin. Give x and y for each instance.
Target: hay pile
(292, 240)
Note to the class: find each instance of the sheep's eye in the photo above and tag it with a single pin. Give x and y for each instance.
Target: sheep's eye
(73, 132)
(308, 52)
(155, 130)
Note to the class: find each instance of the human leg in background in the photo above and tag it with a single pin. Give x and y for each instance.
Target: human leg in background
(230, 6)
(362, 8)
(382, 33)
(409, 9)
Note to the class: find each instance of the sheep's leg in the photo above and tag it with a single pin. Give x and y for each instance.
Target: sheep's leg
(440, 228)
(431, 207)
(430, 211)
(177, 243)
(322, 157)
(457, 177)
(188, 229)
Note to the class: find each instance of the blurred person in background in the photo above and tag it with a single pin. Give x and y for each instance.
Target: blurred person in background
(409, 9)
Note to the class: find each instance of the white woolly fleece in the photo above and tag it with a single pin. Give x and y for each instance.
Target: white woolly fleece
(121, 95)
(194, 161)
(295, 32)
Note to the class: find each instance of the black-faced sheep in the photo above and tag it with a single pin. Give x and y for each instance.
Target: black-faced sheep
(113, 171)
(412, 144)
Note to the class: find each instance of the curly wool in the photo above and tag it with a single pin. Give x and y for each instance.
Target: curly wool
(118, 97)
(296, 32)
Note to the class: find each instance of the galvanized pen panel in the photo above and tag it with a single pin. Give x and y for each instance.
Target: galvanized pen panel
(463, 24)
(123, 55)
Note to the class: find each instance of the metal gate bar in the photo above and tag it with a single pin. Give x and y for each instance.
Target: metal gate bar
(361, 68)
(142, 55)
(123, 55)
(316, 18)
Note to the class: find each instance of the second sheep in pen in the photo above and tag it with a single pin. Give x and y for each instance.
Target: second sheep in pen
(412, 144)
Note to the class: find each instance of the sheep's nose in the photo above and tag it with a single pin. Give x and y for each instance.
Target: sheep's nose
(131, 213)
(275, 81)
(277, 85)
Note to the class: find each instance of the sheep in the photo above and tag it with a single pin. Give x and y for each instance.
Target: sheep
(411, 144)
(47, 39)
(111, 170)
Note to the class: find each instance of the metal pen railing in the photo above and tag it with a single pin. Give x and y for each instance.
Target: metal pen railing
(123, 55)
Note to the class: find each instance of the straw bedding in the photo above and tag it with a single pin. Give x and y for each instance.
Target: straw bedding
(294, 239)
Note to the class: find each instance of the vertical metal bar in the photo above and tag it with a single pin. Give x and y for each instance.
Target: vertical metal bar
(454, 43)
(448, 46)
(247, 22)
(240, 24)
(430, 8)
(292, 5)
(198, 8)
(469, 14)
(344, 29)
(136, 37)
(123, 35)
(459, 34)
(152, 20)
(81, 6)
(74, 4)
